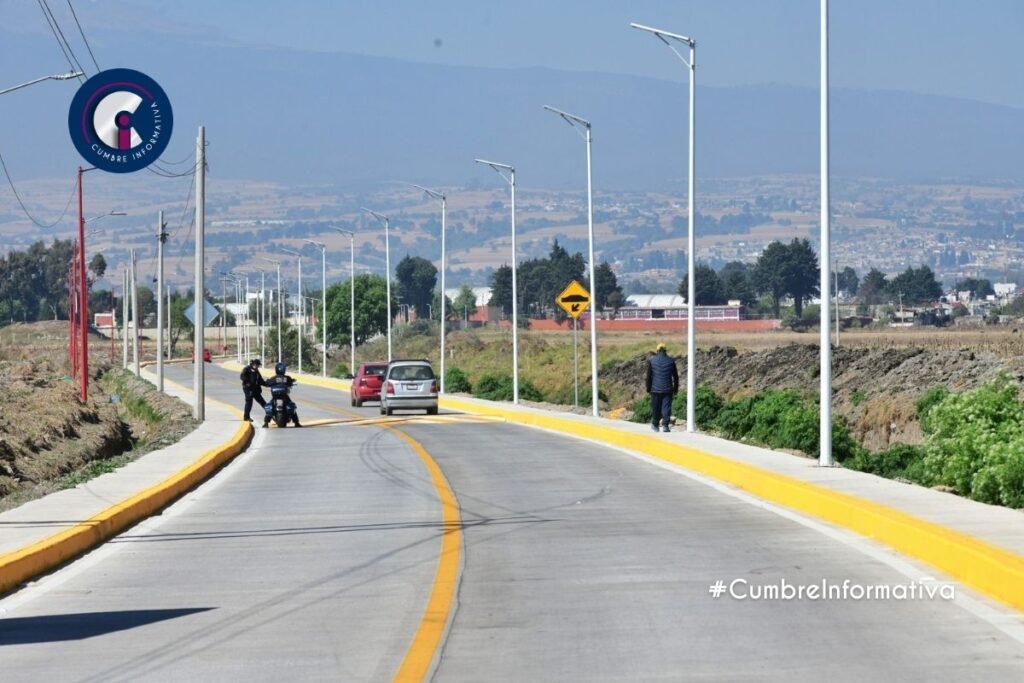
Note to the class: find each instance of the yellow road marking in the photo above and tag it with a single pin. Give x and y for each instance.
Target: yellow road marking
(425, 644)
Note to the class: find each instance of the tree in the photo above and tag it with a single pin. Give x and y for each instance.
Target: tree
(847, 280)
(437, 305)
(465, 302)
(607, 284)
(98, 266)
(371, 309)
(791, 270)
(872, 289)
(501, 289)
(916, 285)
(616, 300)
(978, 287)
(735, 277)
(416, 278)
(707, 288)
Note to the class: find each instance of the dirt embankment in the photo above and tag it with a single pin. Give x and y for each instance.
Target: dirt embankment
(874, 389)
(50, 440)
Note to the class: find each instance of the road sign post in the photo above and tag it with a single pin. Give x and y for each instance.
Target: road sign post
(574, 300)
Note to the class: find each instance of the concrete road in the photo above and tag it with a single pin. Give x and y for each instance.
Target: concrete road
(314, 556)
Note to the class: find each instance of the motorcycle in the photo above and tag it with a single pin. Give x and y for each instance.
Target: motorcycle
(280, 408)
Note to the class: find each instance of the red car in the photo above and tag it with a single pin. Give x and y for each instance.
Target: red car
(206, 356)
(367, 382)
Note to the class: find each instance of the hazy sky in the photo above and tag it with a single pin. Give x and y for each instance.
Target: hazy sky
(960, 48)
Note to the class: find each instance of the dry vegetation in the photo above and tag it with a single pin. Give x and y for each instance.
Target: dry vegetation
(49, 439)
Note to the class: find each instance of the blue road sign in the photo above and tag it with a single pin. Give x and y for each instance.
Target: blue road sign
(210, 313)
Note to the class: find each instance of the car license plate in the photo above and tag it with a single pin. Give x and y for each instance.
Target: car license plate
(412, 386)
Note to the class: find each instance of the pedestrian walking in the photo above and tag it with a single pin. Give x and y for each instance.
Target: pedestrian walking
(662, 385)
(252, 383)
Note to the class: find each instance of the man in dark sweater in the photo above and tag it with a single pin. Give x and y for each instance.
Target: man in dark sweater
(252, 381)
(662, 385)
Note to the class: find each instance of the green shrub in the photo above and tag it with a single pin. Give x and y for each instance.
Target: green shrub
(857, 397)
(898, 461)
(455, 381)
(705, 408)
(494, 388)
(341, 372)
(735, 419)
(976, 444)
(642, 409)
(929, 400)
(499, 388)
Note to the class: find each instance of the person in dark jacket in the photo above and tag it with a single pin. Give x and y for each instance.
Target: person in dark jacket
(252, 381)
(662, 385)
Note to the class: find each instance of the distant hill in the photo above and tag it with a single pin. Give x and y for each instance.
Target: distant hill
(354, 121)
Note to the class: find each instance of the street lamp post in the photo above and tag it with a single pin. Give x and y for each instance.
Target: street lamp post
(825, 359)
(576, 122)
(302, 323)
(510, 178)
(323, 248)
(352, 296)
(278, 264)
(55, 77)
(444, 201)
(691, 343)
(387, 261)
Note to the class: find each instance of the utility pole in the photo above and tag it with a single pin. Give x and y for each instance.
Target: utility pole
(198, 367)
(124, 320)
(135, 316)
(169, 323)
(161, 237)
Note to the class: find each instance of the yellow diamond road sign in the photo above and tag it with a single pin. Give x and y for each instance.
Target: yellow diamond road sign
(574, 299)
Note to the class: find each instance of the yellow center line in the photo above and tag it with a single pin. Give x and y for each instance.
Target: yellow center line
(426, 642)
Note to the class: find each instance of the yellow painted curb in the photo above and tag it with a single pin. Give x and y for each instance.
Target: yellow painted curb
(22, 565)
(987, 568)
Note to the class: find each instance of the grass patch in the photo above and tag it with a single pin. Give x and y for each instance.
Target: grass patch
(93, 470)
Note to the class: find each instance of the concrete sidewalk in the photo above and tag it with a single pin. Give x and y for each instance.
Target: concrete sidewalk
(45, 533)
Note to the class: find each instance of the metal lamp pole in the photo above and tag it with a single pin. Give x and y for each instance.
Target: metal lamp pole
(302, 323)
(323, 305)
(56, 77)
(444, 267)
(825, 388)
(352, 296)
(510, 178)
(278, 264)
(387, 259)
(691, 343)
(576, 122)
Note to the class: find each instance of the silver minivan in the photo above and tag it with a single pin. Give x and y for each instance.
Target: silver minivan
(409, 384)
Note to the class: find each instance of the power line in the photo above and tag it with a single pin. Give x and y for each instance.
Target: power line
(84, 39)
(56, 37)
(61, 40)
(25, 209)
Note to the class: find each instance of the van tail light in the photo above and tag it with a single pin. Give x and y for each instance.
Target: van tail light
(433, 387)
(391, 387)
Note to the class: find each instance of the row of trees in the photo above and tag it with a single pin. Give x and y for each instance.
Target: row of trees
(792, 270)
(34, 282)
(540, 281)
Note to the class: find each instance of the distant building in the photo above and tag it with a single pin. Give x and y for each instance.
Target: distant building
(662, 306)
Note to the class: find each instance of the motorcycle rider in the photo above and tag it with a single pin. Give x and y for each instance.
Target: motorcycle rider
(283, 382)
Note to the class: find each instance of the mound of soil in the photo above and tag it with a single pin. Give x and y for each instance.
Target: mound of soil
(874, 389)
(47, 434)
